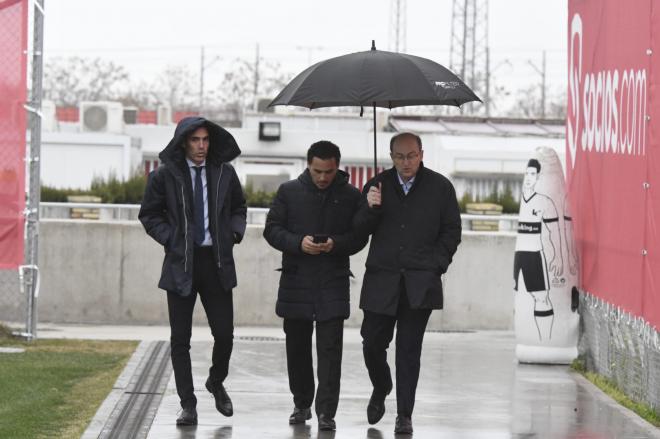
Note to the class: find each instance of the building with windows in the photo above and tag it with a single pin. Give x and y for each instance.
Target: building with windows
(479, 155)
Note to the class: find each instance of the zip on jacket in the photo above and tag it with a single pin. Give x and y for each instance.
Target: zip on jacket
(217, 214)
(185, 233)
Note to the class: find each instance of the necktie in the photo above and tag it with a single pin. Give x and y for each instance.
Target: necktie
(199, 207)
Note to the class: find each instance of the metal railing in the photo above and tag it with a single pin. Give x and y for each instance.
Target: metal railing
(476, 224)
(488, 224)
(117, 212)
(100, 211)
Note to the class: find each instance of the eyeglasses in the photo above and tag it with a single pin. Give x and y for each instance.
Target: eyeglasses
(402, 158)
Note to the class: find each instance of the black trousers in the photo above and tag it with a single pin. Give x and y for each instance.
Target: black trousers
(377, 331)
(329, 343)
(220, 314)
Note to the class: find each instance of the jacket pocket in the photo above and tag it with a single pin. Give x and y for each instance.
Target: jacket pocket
(171, 239)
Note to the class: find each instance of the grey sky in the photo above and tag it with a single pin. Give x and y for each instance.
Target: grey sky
(147, 35)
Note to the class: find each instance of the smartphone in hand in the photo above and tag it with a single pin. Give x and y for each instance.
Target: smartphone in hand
(320, 238)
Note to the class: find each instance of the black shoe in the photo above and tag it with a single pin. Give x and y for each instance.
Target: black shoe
(376, 407)
(222, 400)
(326, 423)
(299, 416)
(403, 425)
(188, 416)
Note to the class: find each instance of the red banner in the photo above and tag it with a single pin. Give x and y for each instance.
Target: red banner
(612, 141)
(13, 89)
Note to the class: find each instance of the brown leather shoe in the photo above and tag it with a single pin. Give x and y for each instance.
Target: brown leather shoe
(222, 400)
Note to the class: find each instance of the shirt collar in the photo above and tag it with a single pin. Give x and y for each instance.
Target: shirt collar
(405, 183)
(192, 164)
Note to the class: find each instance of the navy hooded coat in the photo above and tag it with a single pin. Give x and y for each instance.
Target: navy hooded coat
(167, 207)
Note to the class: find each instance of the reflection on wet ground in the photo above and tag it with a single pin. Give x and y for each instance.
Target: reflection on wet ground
(470, 387)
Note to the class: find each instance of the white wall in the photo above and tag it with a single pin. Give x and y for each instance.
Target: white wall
(109, 273)
(73, 159)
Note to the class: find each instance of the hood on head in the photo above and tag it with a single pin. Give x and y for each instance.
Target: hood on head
(222, 145)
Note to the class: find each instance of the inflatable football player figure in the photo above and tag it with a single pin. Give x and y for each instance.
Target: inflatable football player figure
(545, 266)
(538, 216)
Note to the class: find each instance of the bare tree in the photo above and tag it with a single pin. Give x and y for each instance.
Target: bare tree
(174, 87)
(248, 80)
(556, 107)
(141, 95)
(70, 80)
(528, 103)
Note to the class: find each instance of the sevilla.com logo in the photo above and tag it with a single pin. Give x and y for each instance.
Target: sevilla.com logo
(607, 108)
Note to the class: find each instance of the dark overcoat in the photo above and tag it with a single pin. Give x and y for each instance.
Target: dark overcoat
(314, 287)
(167, 207)
(413, 237)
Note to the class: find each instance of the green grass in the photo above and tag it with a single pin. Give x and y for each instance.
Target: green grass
(610, 388)
(54, 388)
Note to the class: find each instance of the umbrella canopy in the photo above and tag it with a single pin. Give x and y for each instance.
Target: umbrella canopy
(375, 78)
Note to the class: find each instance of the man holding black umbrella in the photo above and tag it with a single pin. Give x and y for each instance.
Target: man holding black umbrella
(413, 216)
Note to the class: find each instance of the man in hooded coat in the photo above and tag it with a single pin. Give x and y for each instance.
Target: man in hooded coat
(194, 207)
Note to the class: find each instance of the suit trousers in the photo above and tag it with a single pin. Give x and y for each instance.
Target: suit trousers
(220, 315)
(377, 332)
(329, 344)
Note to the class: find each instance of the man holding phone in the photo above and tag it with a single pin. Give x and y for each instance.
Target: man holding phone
(320, 238)
(310, 222)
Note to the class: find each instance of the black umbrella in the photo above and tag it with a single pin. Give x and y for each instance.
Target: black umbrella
(375, 78)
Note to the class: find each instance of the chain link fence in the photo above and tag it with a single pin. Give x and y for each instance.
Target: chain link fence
(12, 89)
(12, 302)
(621, 347)
(18, 169)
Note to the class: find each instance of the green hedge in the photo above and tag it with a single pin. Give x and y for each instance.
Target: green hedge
(258, 198)
(57, 195)
(505, 199)
(115, 191)
(111, 190)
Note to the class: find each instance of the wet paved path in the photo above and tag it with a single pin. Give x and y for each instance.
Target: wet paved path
(470, 387)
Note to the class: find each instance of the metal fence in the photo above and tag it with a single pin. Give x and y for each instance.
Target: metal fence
(621, 347)
(117, 212)
(11, 61)
(12, 303)
(19, 289)
(505, 224)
